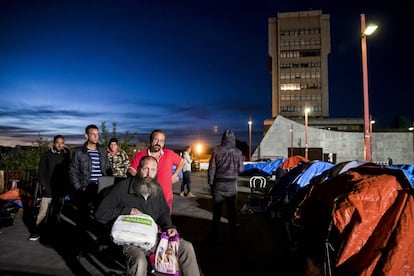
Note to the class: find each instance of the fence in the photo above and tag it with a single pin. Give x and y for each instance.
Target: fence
(25, 180)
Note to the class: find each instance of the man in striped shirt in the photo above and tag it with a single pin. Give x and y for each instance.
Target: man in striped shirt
(89, 162)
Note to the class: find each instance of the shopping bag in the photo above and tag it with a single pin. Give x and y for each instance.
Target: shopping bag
(166, 256)
(140, 230)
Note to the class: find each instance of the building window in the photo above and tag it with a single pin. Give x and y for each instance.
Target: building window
(290, 86)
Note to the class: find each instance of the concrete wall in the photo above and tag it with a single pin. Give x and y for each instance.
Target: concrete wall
(347, 145)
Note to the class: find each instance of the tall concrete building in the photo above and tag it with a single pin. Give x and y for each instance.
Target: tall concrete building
(299, 45)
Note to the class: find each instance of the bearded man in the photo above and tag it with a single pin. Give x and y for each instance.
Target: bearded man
(167, 159)
(142, 194)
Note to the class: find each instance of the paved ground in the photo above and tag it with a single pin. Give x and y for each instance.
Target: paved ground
(260, 247)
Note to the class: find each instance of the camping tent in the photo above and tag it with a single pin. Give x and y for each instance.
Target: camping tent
(292, 161)
(359, 222)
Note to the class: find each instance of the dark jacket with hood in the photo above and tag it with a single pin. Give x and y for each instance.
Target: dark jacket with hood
(81, 166)
(226, 162)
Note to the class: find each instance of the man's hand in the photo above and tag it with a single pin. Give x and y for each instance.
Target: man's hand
(135, 211)
(172, 232)
(175, 178)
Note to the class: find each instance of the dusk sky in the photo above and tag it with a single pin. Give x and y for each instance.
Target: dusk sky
(187, 67)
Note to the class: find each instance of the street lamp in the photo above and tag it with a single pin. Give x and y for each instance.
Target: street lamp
(250, 123)
(307, 110)
(365, 31)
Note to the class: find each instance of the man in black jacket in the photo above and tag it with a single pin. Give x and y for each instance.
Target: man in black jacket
(88, 164)
(53, 182)
(143, 194)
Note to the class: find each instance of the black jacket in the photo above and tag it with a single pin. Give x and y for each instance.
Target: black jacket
(226, 162)
(54, 173)
(121, 199)
(81, 166)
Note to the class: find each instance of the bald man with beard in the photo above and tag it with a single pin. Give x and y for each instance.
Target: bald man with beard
(143, 194)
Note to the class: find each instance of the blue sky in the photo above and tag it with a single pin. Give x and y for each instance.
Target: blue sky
(183, 66)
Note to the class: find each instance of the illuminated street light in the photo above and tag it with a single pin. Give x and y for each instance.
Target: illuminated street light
(250, 138)
(307, 110)
(199, 148)
(367, 134)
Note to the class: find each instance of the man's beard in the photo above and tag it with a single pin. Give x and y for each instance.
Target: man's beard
(155, 148)
(146, 186)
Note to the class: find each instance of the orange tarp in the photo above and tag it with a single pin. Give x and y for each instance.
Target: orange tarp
(293, 162)
(372, 213)
(16, 195)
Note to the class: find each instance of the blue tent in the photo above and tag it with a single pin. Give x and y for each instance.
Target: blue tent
(266, 168)
(408, 171)
(315, 169)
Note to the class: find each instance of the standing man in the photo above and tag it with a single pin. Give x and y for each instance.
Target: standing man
(89, 162)
(53, 182)
(166, 160)
(142, 194)
(119, 160)
(186, 173)
(226, 163)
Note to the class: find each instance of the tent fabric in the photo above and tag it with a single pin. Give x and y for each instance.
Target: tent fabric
(292, 161)
(284, 189)
(16, 195)
(408, 170)
(315, 169)
(266, 168)
(371, 212)
(351, 164)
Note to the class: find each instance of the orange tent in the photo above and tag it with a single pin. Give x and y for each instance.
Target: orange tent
(364, 218)
(293, 161)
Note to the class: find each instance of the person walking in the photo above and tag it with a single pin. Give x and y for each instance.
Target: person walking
(53, 183)
(89, 162)
(166, 158)
(142, 194)
(186, 182)
(225, 165)
(119, 160)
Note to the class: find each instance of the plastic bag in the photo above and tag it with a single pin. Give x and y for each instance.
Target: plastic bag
(140, 230)
(166, 256)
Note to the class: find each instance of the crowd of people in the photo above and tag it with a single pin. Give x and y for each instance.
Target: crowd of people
(141, 185)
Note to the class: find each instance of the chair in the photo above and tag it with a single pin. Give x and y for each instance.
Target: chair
(258, 198)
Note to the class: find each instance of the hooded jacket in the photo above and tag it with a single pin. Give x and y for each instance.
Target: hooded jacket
(226, 162)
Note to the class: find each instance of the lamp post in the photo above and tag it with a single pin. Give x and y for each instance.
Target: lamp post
(412, 129)
(250, 123)
(371, 122)
(291, 139)
(307, 110)
(367, 135)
